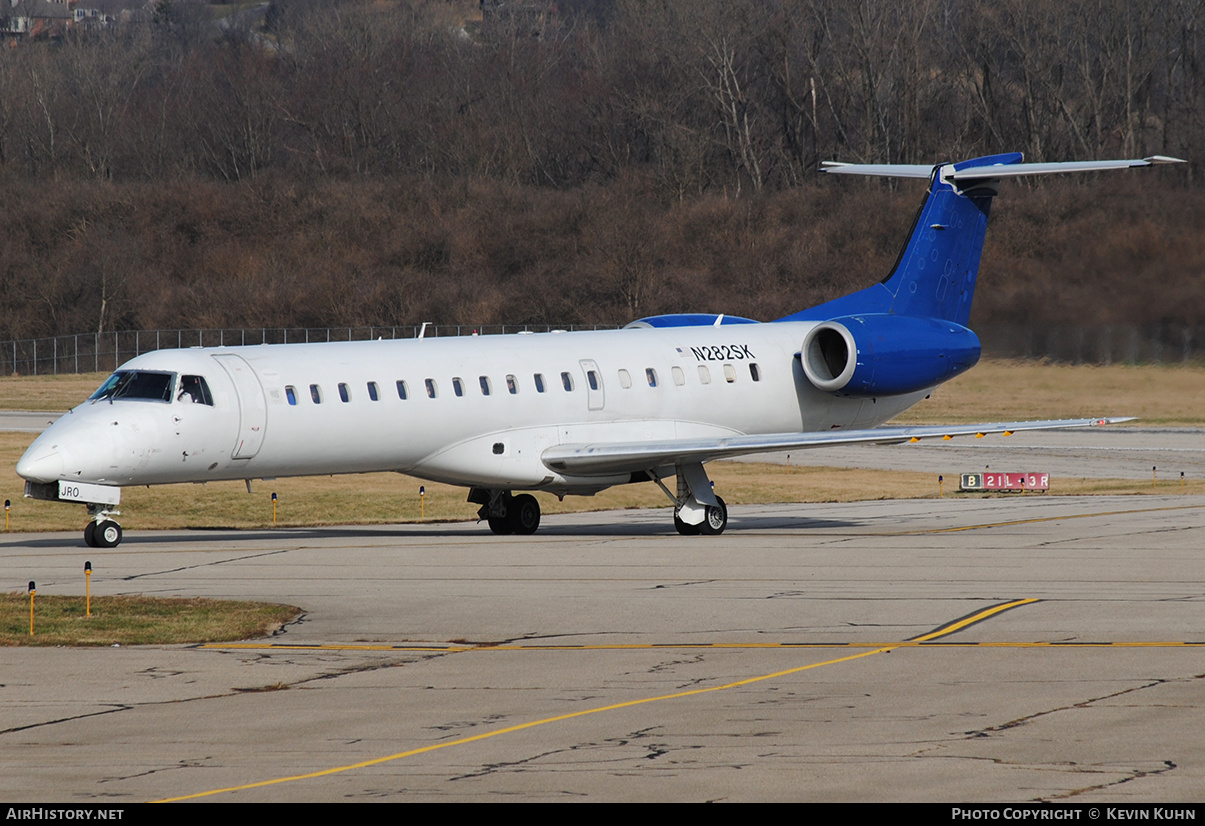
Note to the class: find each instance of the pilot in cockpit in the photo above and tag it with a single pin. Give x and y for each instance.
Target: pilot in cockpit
(193, 390)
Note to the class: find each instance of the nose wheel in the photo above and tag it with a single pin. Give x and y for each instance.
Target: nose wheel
(106, 534)
(102, 531)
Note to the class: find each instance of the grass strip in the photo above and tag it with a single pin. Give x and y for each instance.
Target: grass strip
(136, 620)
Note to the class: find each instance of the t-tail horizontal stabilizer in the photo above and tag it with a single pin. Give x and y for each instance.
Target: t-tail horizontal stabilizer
(997, 166)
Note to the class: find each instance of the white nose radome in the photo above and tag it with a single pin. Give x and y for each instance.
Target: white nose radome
(41, 463)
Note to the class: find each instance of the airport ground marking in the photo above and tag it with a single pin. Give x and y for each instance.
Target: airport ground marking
(949, 628)
(971, 619)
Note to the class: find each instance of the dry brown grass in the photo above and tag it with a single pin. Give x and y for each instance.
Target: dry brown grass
(1004, 390)
(47, 392)
(136, 620)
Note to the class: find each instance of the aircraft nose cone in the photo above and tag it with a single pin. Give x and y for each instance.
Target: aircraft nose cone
(40, 464)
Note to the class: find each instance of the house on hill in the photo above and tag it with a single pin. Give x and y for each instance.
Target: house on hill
(36, 18)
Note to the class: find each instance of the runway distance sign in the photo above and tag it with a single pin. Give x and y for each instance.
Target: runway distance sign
(1005, 482)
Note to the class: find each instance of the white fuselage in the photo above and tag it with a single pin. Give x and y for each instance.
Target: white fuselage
(626, 385)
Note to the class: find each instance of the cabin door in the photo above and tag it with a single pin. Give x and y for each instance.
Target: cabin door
(252, 408)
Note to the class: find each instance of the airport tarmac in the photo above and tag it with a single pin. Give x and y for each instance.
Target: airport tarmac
(960, 649)
(27, 421)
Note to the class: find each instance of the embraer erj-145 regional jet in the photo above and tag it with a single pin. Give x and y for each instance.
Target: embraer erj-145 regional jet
(564, 413)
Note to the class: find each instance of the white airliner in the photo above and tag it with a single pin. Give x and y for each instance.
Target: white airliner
(563, 413)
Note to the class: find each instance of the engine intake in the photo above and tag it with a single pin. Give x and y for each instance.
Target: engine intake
(885, 355)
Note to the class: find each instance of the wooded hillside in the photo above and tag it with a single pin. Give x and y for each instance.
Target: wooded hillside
(349, 162)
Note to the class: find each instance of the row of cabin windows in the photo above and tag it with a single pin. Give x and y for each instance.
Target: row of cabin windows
(679, 375)
(512, 383)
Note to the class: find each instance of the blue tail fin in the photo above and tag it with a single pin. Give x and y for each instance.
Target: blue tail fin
(935, 274)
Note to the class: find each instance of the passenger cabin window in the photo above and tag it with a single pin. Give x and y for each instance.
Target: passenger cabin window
(457, 386)
(373, 392)
(316, 393)
(567, 381)
(704, 374)
(625, 379)
(754, 372)
(403, 392)
(512, 386)
(679, 376)
(729, 373)
(430, 388)
(344, 392)
(651, 375)
(485, 385)
(539, 378)
(291, 395)
(194, 389)
(592, 378)
(138, 385)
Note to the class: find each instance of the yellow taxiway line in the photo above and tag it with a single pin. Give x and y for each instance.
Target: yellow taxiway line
(947, 629)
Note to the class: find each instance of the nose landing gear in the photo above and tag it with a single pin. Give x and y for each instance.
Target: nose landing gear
(102, 532)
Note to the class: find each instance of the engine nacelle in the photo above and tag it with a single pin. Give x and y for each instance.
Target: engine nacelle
(886, 355)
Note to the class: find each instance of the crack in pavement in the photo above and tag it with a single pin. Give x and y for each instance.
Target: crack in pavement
(1021, 721)
(666, 664)
(1132, 773)
(1066, 767)
(182, 764)
(73, 718)
(132, 577)
(654, 751)
(234, 691)
(1136, 774)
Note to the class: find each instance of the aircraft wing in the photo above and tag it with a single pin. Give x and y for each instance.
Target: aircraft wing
(608, 458)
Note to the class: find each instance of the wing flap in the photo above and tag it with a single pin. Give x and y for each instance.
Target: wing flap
(602, 459)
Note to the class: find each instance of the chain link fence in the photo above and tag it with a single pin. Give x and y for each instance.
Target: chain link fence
(104, 352)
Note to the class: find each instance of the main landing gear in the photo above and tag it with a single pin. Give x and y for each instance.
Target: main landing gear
(505, 513)
(102, 532)
(713, 524)
(697, 510)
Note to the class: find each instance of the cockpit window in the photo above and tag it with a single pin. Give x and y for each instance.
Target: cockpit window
(194, 389)
(141, 385)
